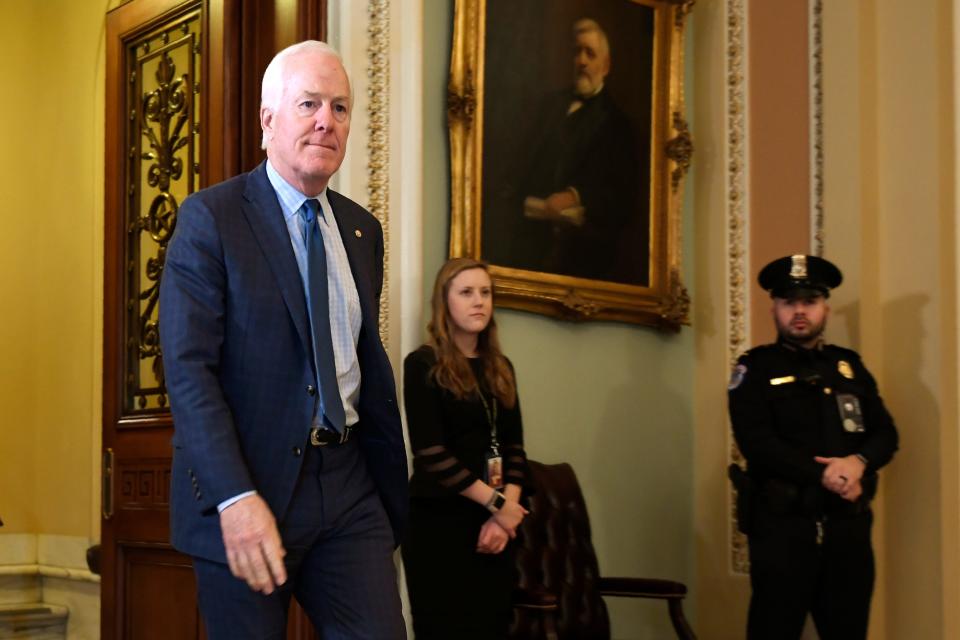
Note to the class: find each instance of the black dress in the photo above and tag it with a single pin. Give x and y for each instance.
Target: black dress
(455, 592)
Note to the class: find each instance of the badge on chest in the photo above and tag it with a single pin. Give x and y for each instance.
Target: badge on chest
(845, 369)
(850, 414)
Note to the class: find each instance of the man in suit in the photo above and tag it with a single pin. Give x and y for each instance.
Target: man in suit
(289, 473)
(580, 186)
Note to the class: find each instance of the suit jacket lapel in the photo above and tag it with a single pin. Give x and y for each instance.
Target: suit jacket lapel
(266, 219)
(346, 222)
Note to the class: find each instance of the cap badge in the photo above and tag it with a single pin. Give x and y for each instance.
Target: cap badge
(798, 268)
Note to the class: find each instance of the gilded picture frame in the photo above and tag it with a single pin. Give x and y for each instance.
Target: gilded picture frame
(526, 184)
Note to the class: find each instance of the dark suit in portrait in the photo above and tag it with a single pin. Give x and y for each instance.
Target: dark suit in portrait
(593, 151)
(237, 339)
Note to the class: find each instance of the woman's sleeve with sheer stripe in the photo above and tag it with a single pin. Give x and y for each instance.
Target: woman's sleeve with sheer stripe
(422, 398)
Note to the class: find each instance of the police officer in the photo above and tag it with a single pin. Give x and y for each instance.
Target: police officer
(809, 421)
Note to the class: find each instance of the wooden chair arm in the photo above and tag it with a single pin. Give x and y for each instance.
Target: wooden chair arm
(672, 592)
(642, 588)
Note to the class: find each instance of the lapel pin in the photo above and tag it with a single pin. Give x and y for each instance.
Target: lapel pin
(357, 233)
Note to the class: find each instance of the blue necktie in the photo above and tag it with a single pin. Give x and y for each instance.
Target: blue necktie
(320, 317)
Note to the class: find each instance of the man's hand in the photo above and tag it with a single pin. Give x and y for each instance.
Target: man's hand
(254, 550)
(493, 538)
(557, 202)
(841, 474)
(852, 492)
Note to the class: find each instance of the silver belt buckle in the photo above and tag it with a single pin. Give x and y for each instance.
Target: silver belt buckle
(315, 437)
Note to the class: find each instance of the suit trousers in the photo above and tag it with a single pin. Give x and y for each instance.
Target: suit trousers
(339, 561)
(792, 575)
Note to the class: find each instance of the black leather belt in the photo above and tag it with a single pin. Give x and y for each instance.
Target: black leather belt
(321, 437)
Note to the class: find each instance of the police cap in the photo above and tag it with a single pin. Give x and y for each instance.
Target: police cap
(800, 275)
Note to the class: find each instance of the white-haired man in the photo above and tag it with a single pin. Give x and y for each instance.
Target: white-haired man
(289, 473)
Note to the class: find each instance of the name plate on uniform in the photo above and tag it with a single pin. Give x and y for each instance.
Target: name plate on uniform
(784, 380)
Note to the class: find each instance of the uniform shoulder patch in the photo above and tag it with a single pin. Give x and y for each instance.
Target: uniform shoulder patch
(736, 378)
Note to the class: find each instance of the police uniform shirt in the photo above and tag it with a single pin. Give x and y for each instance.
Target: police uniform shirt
(789, 404)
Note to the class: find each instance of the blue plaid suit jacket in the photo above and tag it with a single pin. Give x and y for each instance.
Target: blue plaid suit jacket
(235, 336)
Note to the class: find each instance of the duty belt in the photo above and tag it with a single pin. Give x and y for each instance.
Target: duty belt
(812, 500)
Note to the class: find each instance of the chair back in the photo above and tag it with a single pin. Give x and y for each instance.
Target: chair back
(555, 551)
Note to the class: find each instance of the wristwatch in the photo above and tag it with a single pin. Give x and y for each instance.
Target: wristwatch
(496, 502)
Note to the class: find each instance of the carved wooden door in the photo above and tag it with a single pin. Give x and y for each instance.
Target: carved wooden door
(182, 97)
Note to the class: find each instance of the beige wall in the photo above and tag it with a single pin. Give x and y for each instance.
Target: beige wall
(890, 219)
(17, 284)
(51, 177)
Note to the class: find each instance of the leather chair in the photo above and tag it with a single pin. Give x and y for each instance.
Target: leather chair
(560, 591)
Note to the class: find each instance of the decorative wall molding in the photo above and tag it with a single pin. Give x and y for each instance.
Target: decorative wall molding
(378, 139)
(48, 571)
(737, 236)
(46, 556)
(737, 199)
(816, 115)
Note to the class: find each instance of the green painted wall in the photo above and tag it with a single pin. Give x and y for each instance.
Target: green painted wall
(613, 400)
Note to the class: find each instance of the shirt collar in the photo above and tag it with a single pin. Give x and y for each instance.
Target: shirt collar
(290, 198)
(593, 94)
(790, 346)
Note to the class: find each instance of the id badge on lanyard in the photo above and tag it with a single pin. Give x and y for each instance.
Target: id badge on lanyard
(493, 469)
(493, 461)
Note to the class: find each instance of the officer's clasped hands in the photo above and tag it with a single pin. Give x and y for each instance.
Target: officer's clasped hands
(842, 476)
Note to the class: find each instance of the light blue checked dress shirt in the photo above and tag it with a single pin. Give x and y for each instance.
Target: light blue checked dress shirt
(343, 298)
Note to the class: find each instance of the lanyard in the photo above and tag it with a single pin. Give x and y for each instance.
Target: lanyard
(492, 421)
